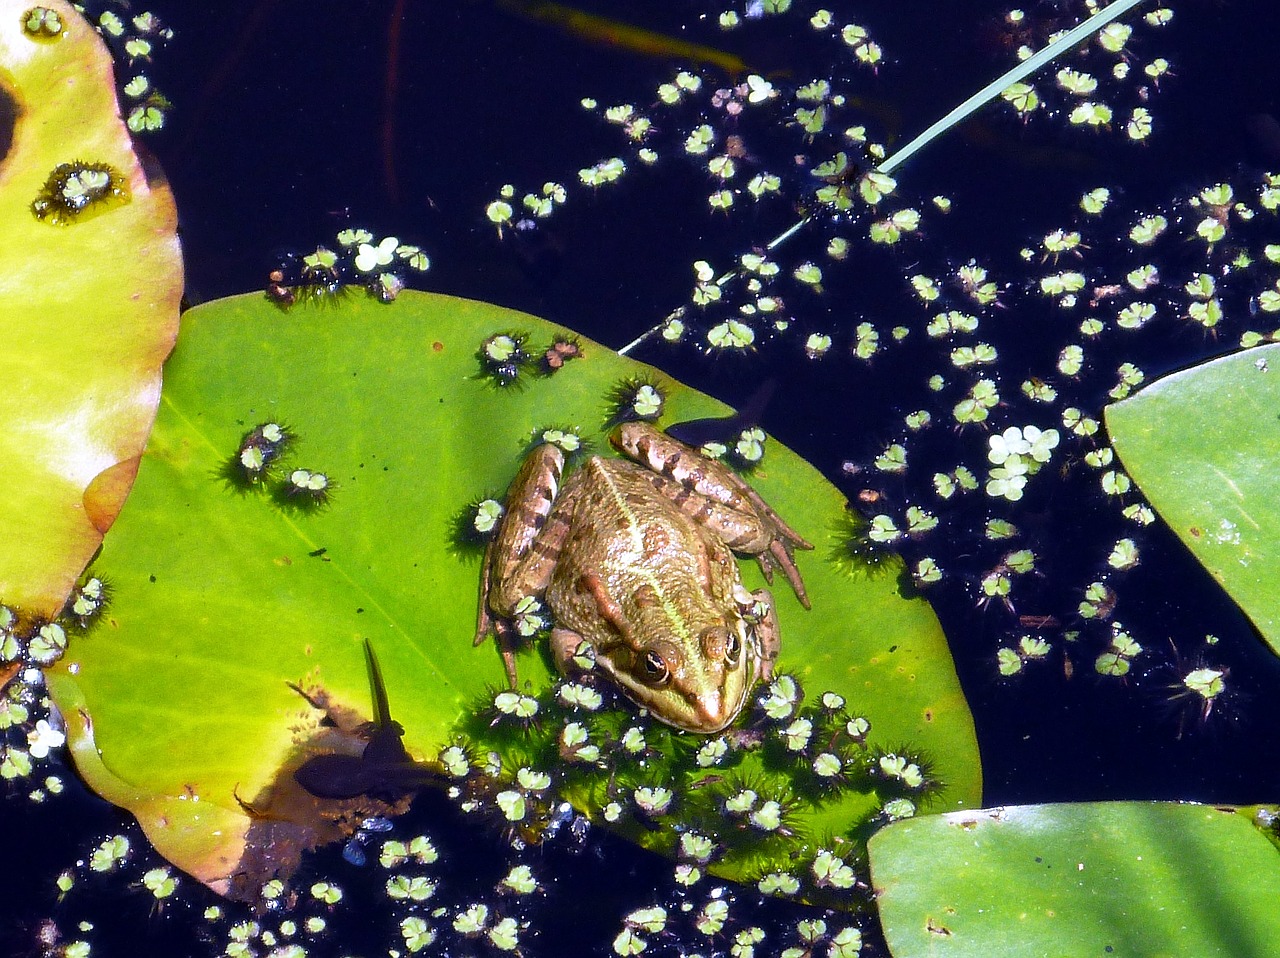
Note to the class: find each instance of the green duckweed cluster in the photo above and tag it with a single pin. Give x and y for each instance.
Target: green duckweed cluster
(1102, 287)
(134, 38)
(729, 799)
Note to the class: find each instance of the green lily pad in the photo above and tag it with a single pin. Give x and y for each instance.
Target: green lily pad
(1202, 444)
(1079, 881)
(89, 308)
(179, 702)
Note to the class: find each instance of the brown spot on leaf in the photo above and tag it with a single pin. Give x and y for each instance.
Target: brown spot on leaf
(8, 673)
(937, 928)
(106, 492)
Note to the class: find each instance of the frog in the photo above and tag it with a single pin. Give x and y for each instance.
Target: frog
(633, 556)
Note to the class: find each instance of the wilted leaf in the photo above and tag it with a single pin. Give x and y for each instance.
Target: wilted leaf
(88, 304)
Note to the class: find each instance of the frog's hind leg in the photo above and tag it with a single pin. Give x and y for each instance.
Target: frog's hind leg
(711, 493)
(700, 475)
(754, 530)
(499, 627)
(530, 499)
(781, 542)
(484, 618)
(486, 624)
(780, 552)
(519, 560)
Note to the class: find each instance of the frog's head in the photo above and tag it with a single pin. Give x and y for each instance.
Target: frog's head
(696, 682)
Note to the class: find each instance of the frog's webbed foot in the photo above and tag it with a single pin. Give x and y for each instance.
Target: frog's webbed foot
(776, 523)
(783, 542)
(779, 554)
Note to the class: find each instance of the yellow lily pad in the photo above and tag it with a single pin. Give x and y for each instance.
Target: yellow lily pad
(88, 305)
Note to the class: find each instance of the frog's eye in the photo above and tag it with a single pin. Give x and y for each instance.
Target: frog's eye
(733, 650)
(656, 671)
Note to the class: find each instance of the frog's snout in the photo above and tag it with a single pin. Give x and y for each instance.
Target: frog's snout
(713, 711)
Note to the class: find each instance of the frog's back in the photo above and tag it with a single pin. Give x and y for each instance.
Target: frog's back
(619, 514)
(624, 530)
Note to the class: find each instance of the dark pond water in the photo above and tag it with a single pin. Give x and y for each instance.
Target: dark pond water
(281, 135)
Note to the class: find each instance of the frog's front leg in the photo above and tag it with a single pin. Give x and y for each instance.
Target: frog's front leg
(520, 559)
(566, 645)
(767, 633)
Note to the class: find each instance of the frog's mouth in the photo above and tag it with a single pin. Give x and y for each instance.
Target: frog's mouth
(714, 711)
(706, 717)
(704, 713)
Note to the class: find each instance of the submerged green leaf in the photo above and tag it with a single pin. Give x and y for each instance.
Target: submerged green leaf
(1202, 444)
(231, 595)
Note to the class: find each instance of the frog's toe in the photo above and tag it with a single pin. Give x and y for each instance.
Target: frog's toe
(508, 662)
(786, 561)
(488, 626)
(766, 566)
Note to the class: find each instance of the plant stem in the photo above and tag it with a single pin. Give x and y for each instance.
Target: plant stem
(1078, 34)
(1071, 38)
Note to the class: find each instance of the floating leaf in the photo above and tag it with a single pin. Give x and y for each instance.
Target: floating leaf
(89, 306)
(1078, 881)
(1202, 444)
(224, 591)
